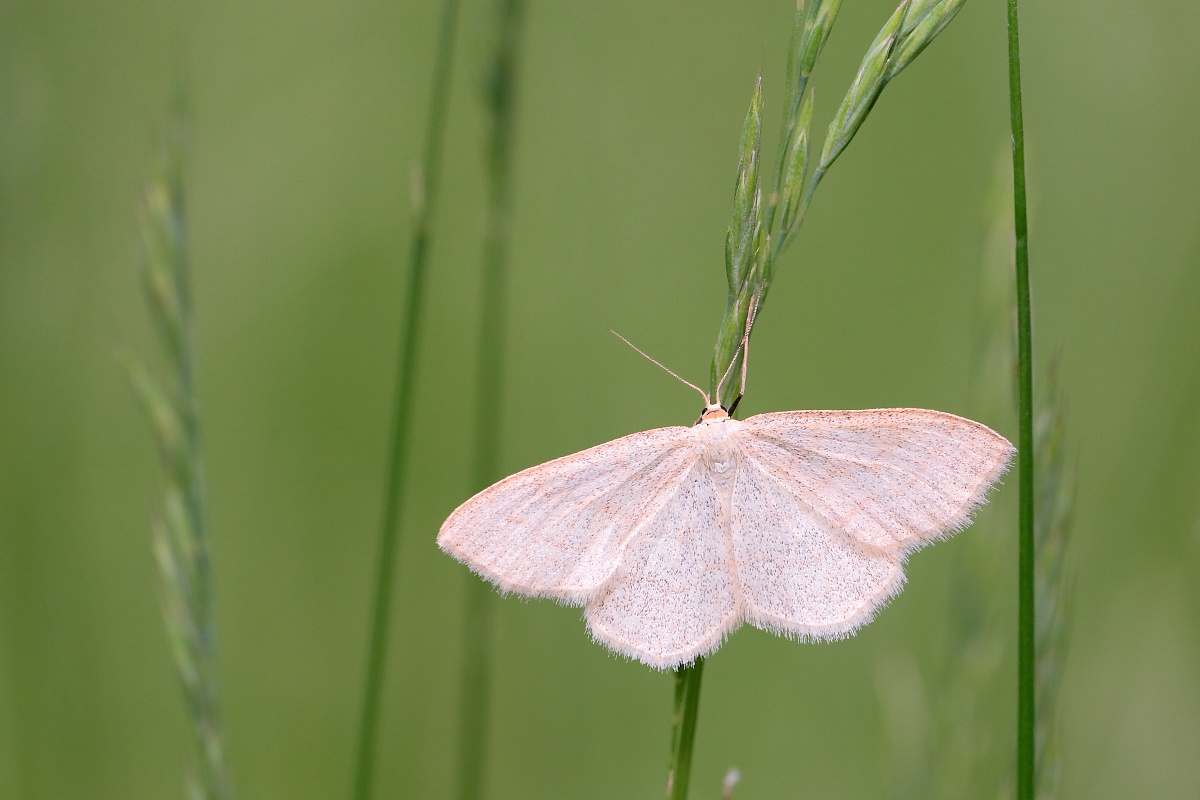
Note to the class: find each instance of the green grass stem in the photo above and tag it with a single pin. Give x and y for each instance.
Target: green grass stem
(1026, 647)
(475, 696)
(676, 721)
(425, 203)
(687, 707)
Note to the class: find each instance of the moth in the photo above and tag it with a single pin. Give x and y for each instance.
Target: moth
(796, 522)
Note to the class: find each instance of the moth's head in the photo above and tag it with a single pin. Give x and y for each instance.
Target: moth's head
(712, 412)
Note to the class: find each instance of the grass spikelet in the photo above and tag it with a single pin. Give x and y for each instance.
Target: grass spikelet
(868, 83)
(180, 538)
(759, 230)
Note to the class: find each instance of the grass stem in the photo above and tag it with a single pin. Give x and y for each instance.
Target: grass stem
(676, 720)
(687, 706)
(475, 696)
(1026, 658)
(425, 197)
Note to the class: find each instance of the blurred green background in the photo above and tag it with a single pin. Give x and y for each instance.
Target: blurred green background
(308, 116)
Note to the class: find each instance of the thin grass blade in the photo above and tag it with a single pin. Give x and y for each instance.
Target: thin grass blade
(1026, 465)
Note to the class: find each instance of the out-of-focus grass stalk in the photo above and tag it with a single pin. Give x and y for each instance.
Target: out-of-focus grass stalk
(1053, 585)
(942, 742)
(969, 759)
(761, 229)
(500, 99)
(1026, 636)
(960, 759)
(425, 192)
(1054, 491)
(180, 537)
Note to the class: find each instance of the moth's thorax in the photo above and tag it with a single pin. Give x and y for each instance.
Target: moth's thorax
(718, 439)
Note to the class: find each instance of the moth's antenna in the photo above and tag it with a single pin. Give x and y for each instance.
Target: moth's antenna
(669, 372)
(746, 343)
(732, 361)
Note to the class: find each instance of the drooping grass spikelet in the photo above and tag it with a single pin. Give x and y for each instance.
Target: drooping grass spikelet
(760, 228)
(180, 537)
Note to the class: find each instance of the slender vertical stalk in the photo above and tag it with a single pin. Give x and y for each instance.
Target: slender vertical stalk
(687, 701)
(676, 721)
(475, 696)
(1025, 628)
(180, 533)
(425, 202)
